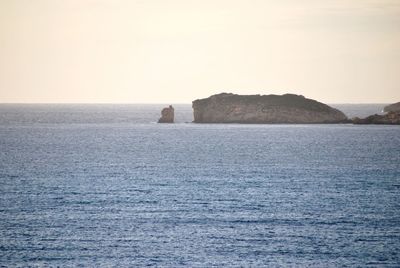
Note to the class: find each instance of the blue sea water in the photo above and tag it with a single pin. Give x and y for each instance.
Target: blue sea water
(104, 185)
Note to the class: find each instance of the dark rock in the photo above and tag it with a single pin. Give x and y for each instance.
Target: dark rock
(395, 107)
(167, 115)
(264, 109)
(391, 118)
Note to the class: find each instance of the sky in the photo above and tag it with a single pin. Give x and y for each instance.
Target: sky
(176, 51)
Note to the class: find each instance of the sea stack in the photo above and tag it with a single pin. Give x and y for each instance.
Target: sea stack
(264, 109)
(167, 115)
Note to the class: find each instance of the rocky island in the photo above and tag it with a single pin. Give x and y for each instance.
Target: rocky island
(395, 107)
(264, 109)
(392, 117)
(167, 115)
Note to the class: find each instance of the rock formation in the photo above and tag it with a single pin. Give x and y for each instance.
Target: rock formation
(395, 107)
(391, 118)
(167, 115)
(264, 109)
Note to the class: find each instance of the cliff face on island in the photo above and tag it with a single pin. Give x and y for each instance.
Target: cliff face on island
(264, 109)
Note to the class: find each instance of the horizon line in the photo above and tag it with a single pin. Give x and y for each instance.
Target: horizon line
(160, 103)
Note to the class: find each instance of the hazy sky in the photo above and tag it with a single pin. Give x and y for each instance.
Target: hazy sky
(175, 51)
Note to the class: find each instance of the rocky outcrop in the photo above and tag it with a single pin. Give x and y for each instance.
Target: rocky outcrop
(167, 115)
(395, 107)
(264, 109)
(391, 118)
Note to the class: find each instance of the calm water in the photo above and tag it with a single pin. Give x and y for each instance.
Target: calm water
(103, 185)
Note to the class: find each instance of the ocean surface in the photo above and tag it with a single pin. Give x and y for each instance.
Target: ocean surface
(106, 186)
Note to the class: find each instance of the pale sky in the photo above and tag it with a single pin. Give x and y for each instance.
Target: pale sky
(175, 51)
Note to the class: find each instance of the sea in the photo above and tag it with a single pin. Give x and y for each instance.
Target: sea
(104, 185)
